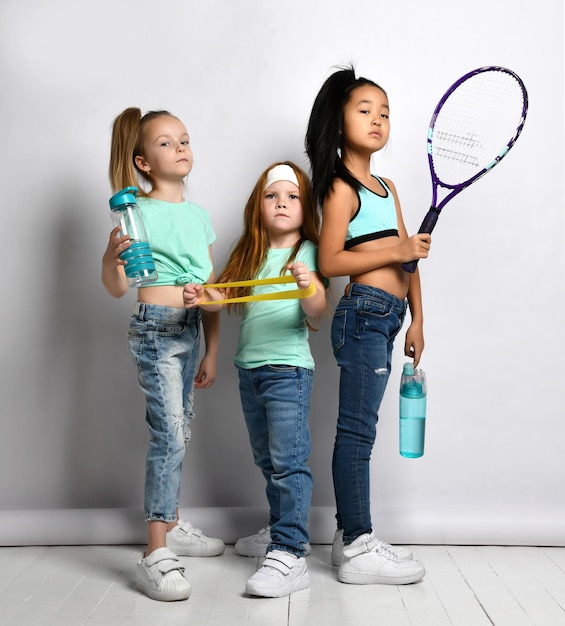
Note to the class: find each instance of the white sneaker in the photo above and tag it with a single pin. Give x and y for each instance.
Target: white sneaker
(337, 549)
(186, 540)
(160, 575)
(366, 562)
(256, 545)
(280, 574)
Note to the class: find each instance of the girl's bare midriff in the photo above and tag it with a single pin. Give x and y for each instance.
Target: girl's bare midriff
(390, 278)
(165, 295)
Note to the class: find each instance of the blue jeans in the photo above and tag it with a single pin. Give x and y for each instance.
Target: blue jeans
(276, 402)
(364, 326)
(164, 343)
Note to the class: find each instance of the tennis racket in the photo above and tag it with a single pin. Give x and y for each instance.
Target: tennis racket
(474, 125)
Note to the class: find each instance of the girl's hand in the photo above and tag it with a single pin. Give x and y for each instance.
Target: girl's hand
(414, 343)
(116, 245)
(315, 304)
(416, 247)
(301, 274)
(193, 295)
(113, 274)
(206, 374)
(196, 295)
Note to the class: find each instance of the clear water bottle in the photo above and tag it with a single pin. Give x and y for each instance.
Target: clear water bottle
(412, 412)
(140, 267)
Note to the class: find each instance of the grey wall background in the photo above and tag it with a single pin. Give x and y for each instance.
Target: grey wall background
(242, 76)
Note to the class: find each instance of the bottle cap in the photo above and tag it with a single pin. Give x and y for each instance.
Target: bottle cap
(408, 369)
(123, 197)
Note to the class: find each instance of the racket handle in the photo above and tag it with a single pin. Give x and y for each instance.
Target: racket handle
(427, 226)
(410, 267)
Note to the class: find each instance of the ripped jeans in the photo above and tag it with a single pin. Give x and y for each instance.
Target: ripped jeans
(365, 324)
(164, 343)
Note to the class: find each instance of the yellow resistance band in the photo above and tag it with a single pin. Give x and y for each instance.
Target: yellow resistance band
(276, 295)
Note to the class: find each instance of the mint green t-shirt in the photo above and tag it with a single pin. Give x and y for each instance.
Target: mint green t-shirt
(274, 332)
(179, 235)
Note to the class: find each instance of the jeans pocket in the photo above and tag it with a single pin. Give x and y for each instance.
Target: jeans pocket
(135, 338)
(373, 307)
(338, 330)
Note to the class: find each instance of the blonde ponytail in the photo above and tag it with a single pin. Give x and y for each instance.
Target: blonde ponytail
(127, 143)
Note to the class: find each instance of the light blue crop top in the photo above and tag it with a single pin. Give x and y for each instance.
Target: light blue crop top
(179, 236)
(375, 217)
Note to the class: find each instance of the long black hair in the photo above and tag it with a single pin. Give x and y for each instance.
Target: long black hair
(323, 135)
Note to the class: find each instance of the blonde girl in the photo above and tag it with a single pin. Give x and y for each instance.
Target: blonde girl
(152, 151)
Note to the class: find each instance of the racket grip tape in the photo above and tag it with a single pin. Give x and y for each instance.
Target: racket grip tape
(427, 226)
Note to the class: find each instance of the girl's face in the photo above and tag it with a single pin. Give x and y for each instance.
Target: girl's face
(366, 126)
(166, 146)
(281, 213)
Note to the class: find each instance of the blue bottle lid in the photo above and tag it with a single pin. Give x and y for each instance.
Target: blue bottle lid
(411, 388)
(408, 369)
(123, 197)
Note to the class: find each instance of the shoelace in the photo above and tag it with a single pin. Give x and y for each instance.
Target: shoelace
(382, 548)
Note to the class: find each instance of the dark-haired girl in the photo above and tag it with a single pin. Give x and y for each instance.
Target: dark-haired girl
(363, 236)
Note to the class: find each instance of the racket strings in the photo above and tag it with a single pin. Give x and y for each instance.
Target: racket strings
(475, 126)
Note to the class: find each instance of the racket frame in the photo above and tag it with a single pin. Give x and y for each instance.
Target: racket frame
(430, 220)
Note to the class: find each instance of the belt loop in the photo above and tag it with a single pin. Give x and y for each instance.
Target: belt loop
(137, 308)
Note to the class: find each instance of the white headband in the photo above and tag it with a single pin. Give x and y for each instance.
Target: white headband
(281, 172)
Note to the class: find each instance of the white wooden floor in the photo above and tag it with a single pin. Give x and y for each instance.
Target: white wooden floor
(464, 586)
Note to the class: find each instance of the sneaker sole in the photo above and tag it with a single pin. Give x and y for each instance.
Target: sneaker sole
(360, 578)
(408, 556)
(163, 596)
(198, 552)
(296, 585)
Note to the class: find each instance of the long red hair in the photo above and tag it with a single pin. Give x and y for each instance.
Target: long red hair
(250, 252)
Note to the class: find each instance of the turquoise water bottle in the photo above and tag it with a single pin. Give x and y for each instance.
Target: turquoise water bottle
(412, 412)
(140, 267)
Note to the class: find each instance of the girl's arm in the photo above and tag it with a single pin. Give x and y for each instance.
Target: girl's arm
(206, 374)
(315, 304)
(339, 207)
(414, 342)
(113, 274)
